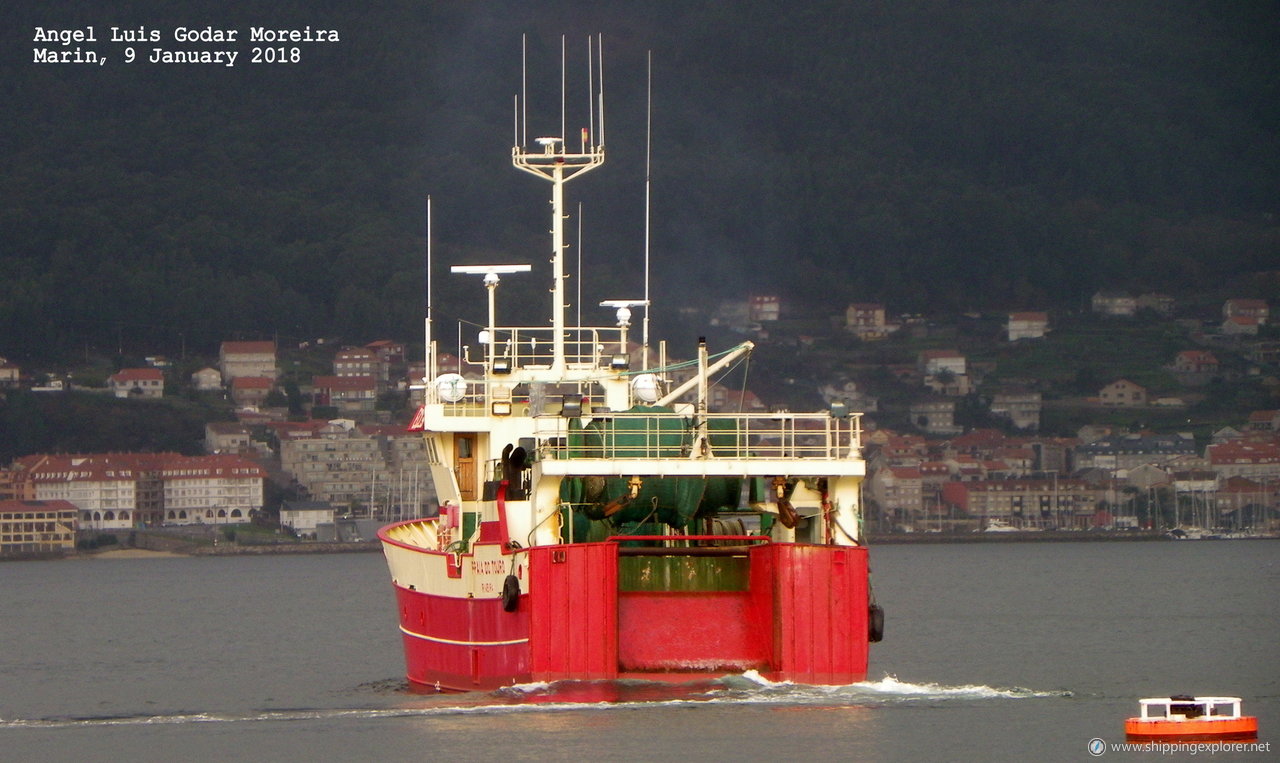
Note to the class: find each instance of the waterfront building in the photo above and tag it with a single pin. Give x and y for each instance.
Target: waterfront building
(1127, 451)
(36, 527)
(1026, 503)
(304, 517)
(121, 491)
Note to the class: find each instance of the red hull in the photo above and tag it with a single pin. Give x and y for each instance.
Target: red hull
(802, 618)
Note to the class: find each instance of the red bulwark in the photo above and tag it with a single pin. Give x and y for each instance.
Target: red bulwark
(573, 615)
(691, 632)
(803, 619)
(821, 618)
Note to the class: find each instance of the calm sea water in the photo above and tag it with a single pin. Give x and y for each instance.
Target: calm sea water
(1002, 651)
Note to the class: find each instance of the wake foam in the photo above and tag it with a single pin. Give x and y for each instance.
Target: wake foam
(578, 696)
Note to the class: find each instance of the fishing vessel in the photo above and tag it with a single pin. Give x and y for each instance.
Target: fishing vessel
(600, 521)
(1184, 718)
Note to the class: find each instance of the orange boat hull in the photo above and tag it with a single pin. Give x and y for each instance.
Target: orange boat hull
(1244, 728)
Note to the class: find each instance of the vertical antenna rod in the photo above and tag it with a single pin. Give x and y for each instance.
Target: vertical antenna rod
(428, 357)
(579, 273)
(648, 142)
(524, 90)
(591, 96)
(563, 128)
(600, 61)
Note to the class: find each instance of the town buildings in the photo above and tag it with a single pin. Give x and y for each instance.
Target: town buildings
(120, 491)
(362, 470)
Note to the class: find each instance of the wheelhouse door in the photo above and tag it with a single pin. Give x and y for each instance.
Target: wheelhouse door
(464, 465)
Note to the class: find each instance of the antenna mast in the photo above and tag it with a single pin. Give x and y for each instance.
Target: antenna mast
(552, 161)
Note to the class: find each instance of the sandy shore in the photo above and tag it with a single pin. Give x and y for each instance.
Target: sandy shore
(132, 553)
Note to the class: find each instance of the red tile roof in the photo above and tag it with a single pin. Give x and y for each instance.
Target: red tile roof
(126, 375)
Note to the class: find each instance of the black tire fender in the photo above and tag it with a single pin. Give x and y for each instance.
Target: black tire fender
(875, 623)
(510, 594)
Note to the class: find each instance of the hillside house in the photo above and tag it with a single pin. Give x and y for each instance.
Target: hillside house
(1195, 362)
(867, 321)
(1161, 304)
(226, 437)
(1264, 421)
(763, 307)
(391, 353)
(349, 394)
(237, 359)
(1240, 325)
(10, 374)
(137, 382)
(206, 380)
(1030, 325)
(358, 361)
(1114, 303)
(935, 416)
(1020, 407)
(251, 391)
(1195, 367)
(1264, 353)
(1255, 309)
(934, 362)
(1123, 393)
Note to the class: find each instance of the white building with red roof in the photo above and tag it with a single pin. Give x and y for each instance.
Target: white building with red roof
(251, 391)
(346, 393)
(1195, 362)
(1256, 310)
(137, 382)
(1252, 458)
(1027, 325)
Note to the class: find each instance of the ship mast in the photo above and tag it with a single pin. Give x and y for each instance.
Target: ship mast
(553, 161)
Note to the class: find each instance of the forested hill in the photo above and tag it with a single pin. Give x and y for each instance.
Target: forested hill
(932, 155)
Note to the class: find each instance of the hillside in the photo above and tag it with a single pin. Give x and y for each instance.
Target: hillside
(933, 157)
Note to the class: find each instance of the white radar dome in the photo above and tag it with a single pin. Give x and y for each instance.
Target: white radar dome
(645, 387)
(451, 387)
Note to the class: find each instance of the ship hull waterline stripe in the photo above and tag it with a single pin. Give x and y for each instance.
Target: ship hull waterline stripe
(451, 642)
